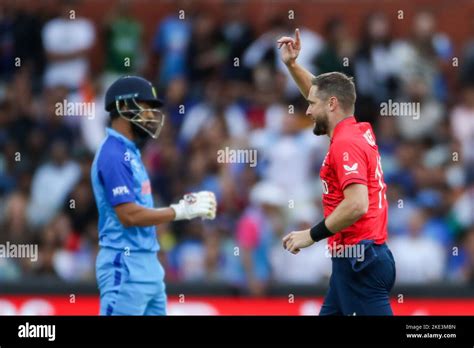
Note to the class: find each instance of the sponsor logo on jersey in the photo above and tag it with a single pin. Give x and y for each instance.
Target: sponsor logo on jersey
(120, 190)
(351, 169)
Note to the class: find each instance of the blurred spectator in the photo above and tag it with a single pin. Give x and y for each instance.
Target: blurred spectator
(268, 105)
(28, 43)
(205, 172)
(462, 124)
(466, 62)
(123, 34)
(223, 260)
(20, 117)
(178, 101)
(7, 42)
(52, 125)
(79, 205)
(264, 50)
(238, 35)
(311, 266)
(170, 44)
(290, 156)
(61, 255)
(206, 51)
(434, 209)
(204, 253)
(407, 159)
(67, 41)
(427, 54)
(400, 208)
(92, 127)
(9, 270)
(339, 49)
(20, 41)
(387, 141)
(215, 105)
(73, 261)
(51, 184)
(376, 67)
(463, 208)
(13, 210)
(431, 111)
(164, 163)
(257, 230)
(419, 258)
(187, 259)
(463, 264)
(8, 167)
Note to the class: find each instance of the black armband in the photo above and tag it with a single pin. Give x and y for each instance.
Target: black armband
(320, 231)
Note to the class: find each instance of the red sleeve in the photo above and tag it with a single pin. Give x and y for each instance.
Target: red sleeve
(350, 162)
(247, 233)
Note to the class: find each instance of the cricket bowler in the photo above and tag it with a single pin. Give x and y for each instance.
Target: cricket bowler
(129, 275)
(354, 201)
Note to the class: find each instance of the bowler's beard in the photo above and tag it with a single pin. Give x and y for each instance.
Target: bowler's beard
(321, 124)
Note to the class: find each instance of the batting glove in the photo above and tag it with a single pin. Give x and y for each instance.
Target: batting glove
(201, 204)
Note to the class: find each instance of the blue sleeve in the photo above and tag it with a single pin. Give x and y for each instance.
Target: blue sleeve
(116, 175)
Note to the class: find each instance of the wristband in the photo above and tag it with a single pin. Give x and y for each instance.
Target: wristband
(320, 231)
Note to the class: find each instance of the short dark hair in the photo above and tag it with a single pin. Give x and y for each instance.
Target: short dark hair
(339, 85)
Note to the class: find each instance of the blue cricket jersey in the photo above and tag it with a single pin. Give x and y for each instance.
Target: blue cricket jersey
(119, 176)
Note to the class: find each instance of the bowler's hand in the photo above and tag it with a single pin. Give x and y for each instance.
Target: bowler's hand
(297, 240)
(290, 48)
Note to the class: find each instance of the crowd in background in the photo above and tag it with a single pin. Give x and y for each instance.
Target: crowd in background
(225, 86)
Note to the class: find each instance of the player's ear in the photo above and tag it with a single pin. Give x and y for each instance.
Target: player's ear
(332, 102)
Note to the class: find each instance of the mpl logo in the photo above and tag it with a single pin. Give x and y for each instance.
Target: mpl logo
(351, 169)
(120, 190)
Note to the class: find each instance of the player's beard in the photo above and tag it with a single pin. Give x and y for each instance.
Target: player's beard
(321, 124)
(140, 137)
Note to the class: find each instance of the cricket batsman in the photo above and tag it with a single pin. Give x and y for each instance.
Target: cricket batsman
(129, 275)
(354, 201)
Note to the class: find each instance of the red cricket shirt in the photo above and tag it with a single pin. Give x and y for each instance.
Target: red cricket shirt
(353, 157)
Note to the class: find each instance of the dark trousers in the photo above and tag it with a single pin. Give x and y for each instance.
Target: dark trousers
(361, 287)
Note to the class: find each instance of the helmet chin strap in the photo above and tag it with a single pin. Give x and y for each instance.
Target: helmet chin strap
(133, 114)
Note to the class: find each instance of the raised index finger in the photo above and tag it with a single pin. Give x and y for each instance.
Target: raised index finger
(297, 36)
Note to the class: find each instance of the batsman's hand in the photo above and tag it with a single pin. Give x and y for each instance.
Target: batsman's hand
(297, 240)
(290, 47)
(201, 204)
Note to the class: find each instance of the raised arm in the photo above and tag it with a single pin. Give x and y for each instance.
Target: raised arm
(290, 49)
